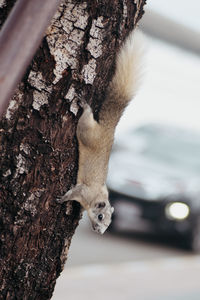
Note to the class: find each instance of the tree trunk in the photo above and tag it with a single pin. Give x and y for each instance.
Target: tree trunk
(38, 143)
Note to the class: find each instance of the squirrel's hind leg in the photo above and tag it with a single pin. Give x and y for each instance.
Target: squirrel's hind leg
(87, 129)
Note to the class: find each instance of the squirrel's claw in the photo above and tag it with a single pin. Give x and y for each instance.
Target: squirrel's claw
(66, 197)
(60, 200)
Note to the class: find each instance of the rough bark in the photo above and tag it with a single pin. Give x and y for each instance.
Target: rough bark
(38, 146)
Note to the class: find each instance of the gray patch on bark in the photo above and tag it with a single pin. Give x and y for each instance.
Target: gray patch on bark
(65, 41)
(71, 93)
(39, 99)
(14, 104)
(89, 71)
(22, 165)
(36, 80)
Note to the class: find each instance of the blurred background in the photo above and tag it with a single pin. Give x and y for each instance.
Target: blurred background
(151, 251)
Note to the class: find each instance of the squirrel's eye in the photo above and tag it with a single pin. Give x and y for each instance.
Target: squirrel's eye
(100, 217)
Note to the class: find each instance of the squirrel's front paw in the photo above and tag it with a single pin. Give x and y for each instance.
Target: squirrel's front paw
(60, 200)
(66, 197)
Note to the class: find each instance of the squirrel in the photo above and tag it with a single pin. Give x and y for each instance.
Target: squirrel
(95, 138)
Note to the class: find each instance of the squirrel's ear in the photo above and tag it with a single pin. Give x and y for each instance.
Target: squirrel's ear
(100, 204)
(112, 209)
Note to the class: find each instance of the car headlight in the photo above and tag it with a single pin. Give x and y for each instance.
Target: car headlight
(177, 211)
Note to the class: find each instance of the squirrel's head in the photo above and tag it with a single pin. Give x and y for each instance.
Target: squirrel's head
(100, 215)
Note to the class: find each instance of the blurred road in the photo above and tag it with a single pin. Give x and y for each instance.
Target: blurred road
(175, 279)
(110, 248)
(136, 267)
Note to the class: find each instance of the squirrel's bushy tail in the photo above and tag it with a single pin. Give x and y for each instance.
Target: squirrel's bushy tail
(126, 79)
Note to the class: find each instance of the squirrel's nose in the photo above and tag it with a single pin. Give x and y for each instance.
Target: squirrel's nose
(98, 229)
